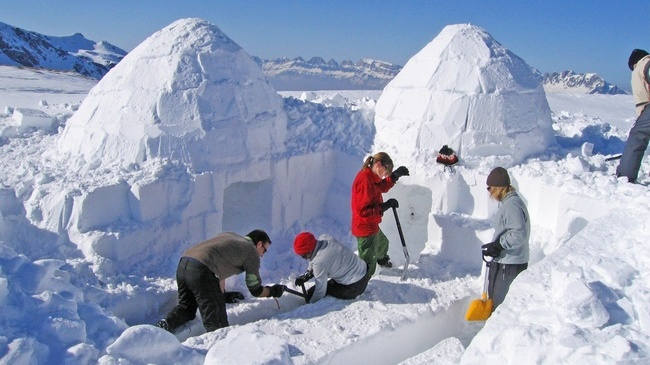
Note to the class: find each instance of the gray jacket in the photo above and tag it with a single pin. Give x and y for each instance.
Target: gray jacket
(332, 260)
(512, 229)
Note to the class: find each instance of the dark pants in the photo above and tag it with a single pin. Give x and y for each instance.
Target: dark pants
(198, 287)
(637, 143)
(342, 291)
(500, 277)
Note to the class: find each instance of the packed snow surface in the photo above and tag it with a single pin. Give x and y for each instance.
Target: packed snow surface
(90, 233)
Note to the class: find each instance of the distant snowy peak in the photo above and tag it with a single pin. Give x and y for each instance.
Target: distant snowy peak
(289, 74)
(571, 82)
(19, 47)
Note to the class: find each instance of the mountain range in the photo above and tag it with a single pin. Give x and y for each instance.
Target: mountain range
(291, 74)
(577, 83)
(75, 53)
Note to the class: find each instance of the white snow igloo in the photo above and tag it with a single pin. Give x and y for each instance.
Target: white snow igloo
(188, 93)
(464, 89)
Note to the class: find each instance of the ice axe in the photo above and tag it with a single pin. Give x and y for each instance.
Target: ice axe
(615, 157)
(401, 237)
(481, 309)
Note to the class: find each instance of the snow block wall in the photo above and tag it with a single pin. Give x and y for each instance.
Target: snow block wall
(184, 139)
(469, 92)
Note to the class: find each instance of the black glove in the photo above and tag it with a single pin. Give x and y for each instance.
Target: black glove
(276, 290)
(401, 171)
(233, 296)
(390, 203)
(302, 279)
(492, 249)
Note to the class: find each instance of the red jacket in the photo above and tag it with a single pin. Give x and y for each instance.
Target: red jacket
(366, 199)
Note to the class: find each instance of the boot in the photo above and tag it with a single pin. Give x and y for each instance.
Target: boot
(385, 262)
(164, 325)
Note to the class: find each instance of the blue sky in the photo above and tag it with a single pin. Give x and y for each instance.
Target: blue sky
(551, 35)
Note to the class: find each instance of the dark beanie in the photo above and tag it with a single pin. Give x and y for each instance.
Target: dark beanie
(305, 242)
(636, 56)
(498, 177)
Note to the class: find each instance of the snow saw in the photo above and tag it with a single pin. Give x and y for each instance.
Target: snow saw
(295, 292)
(481, 309)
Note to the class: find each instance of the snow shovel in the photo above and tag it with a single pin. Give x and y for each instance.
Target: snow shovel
(401, 237)
(481, 309)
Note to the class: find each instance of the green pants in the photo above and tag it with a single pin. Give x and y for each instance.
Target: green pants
(373, 248)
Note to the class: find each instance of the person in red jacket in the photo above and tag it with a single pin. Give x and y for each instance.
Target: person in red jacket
(375, 178)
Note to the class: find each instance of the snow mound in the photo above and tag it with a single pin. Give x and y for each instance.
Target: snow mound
(182, 94)
(464, 89)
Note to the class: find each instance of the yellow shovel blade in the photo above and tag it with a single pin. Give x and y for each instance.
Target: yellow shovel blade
(479, 309)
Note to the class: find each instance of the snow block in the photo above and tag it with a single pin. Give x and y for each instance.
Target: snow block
(35, 118)
(102, 206)
(149, 201)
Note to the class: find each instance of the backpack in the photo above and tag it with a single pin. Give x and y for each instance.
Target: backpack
(447, 156)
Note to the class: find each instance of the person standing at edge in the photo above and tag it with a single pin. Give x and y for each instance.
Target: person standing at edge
(510, 247)
(376, 177)
(202, 272)
(637, 140)
(329, 259)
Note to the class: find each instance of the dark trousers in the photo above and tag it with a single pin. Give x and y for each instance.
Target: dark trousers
(500, 277)
(637, 143)
(342, 291)
(198, 287)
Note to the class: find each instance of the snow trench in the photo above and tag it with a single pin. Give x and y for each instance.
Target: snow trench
(409, 338)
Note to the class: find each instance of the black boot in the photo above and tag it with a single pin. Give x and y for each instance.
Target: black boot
(385, 262)
(164, 325)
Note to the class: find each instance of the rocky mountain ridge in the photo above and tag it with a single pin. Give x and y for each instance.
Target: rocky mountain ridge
(75, 53)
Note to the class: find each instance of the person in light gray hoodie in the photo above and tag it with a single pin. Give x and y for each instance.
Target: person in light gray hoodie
(510, 247)
(337, 271)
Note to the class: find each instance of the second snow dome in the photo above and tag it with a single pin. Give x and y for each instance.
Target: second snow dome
(465, 90)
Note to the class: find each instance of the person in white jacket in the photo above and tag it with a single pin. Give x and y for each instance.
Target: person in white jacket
(337, 271)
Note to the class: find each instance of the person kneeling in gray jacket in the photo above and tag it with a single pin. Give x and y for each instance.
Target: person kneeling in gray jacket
(329, 259)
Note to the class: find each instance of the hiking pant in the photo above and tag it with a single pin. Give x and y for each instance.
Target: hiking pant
(500, 277)
(373, 248)
(342, 291)
(637, 143)
(198, 287)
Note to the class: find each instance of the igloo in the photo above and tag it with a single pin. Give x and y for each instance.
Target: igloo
(466, 90)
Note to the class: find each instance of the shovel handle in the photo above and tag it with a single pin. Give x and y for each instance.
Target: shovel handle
(406, 251)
